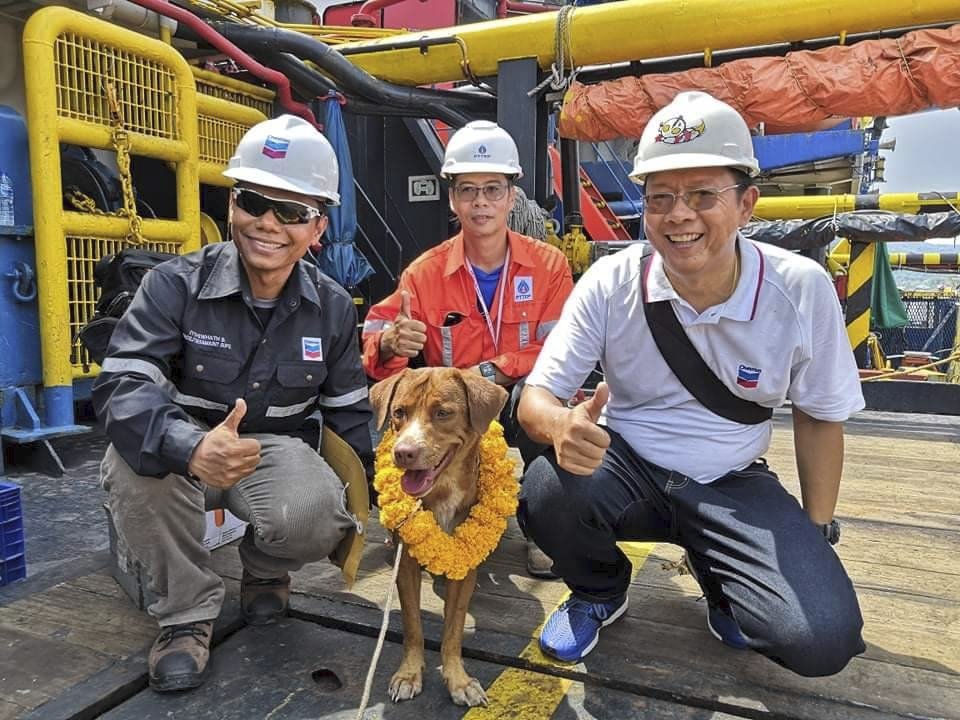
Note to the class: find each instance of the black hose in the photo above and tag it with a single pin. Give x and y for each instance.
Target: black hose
(310, 83)
(450, 107)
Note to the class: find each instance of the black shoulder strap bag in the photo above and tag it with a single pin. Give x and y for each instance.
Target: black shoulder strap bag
(692, 372)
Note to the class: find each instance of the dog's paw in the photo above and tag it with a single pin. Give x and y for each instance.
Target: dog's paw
(469, 693)
(405, 685)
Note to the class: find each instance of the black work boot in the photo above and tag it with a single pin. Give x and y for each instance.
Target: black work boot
(180, 656)
(264, 601)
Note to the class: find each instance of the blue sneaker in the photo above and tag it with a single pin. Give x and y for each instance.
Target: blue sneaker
(720, 621)
(573, 629)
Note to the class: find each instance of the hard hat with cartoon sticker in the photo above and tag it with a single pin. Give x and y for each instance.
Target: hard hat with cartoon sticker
(694, 130)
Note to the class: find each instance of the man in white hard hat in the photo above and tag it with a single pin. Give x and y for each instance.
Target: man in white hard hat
(485, 299)
(655, 457)
(212, 394)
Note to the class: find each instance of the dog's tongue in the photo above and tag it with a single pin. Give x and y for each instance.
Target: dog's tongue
(416, 482)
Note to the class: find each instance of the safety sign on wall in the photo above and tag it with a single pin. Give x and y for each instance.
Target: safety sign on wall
(423, 188)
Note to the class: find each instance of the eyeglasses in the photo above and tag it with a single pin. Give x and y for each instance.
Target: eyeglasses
(469, 193)
(287, 212)
(661, 203)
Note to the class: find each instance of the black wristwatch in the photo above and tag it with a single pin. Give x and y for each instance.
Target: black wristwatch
(488, 370)
(831, 531)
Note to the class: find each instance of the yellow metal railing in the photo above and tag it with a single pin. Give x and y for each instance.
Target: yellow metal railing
(90, 83)
(226, 109)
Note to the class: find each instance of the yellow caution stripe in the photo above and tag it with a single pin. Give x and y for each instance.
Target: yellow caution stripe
(529, 695)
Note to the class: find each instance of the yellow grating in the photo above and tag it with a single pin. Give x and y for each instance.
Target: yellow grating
(146, 90)
(82, 256)
(211, 89)
(218, 138)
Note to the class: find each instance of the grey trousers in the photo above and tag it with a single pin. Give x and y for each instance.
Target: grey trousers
(751, 541)
(294, 502)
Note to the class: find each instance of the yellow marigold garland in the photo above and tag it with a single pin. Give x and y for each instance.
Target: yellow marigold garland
(477, 536)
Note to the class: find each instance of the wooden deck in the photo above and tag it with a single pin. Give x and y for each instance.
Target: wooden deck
(74, 646)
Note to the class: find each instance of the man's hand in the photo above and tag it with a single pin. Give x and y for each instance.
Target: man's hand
(406, 337)
(579, 442)
(222, 458)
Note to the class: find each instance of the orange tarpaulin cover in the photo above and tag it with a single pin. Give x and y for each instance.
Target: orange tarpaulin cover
(800, 92)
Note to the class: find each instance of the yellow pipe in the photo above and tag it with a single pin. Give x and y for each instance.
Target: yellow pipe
(805, 207)
(898, 259)
(79, 132)
(638, 30)
(230, 111)
(78, 224)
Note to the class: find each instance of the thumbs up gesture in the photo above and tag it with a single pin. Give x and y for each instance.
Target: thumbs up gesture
(223, 458)
(406, 337)
(579, 442)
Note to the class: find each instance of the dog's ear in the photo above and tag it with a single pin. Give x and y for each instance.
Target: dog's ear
(485, 400)
(381, 396)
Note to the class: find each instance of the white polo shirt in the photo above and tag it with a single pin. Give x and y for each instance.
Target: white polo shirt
(781, 335)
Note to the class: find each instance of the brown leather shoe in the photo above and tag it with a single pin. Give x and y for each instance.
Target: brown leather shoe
(180, 656)
(263, 602)
(539, 564)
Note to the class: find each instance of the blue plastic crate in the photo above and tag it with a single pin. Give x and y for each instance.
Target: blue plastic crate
(12, 570)
(13, 564)
(11, 539)
(9, 501)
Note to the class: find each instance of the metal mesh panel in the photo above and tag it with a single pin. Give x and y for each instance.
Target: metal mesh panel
(931, 326)
(82, 256)
(219, 138)
(146, 90)
(211, 89)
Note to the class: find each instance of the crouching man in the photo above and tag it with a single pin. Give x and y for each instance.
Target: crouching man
(646, 459)
(213, 393)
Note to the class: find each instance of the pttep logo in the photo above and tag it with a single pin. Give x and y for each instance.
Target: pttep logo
(312, 349)
(748, 377)
(275, 148)
(523, 288)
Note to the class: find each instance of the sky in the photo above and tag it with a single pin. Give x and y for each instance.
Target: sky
(927, 154)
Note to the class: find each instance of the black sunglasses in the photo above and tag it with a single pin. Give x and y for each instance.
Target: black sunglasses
(287, 212)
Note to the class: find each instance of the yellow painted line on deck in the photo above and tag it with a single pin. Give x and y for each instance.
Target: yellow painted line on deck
(528, 695)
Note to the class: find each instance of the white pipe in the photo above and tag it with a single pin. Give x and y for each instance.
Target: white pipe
(131, 15)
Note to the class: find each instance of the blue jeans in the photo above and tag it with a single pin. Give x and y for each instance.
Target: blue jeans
(750, 540)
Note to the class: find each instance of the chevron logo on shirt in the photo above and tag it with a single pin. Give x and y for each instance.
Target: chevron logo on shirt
(748, 377)
(312, 349)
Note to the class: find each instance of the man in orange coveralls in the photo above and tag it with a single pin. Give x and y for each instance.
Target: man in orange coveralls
(485, 299)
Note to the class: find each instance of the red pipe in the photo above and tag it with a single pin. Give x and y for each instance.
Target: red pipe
(530, 7)
(162, 7)
(506, 6)
(366, 17)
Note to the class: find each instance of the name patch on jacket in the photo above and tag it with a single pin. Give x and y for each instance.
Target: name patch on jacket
(748, 377)
(206, 340)
(312, 348)
(523, 288)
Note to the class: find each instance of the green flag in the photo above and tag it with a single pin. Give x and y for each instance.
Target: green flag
(886, 307)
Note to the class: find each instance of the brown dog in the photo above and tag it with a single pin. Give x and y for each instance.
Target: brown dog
(438, 416)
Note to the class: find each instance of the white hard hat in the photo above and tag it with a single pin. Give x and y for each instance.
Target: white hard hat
(287, 153)
(694, 130)
(481, 147)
